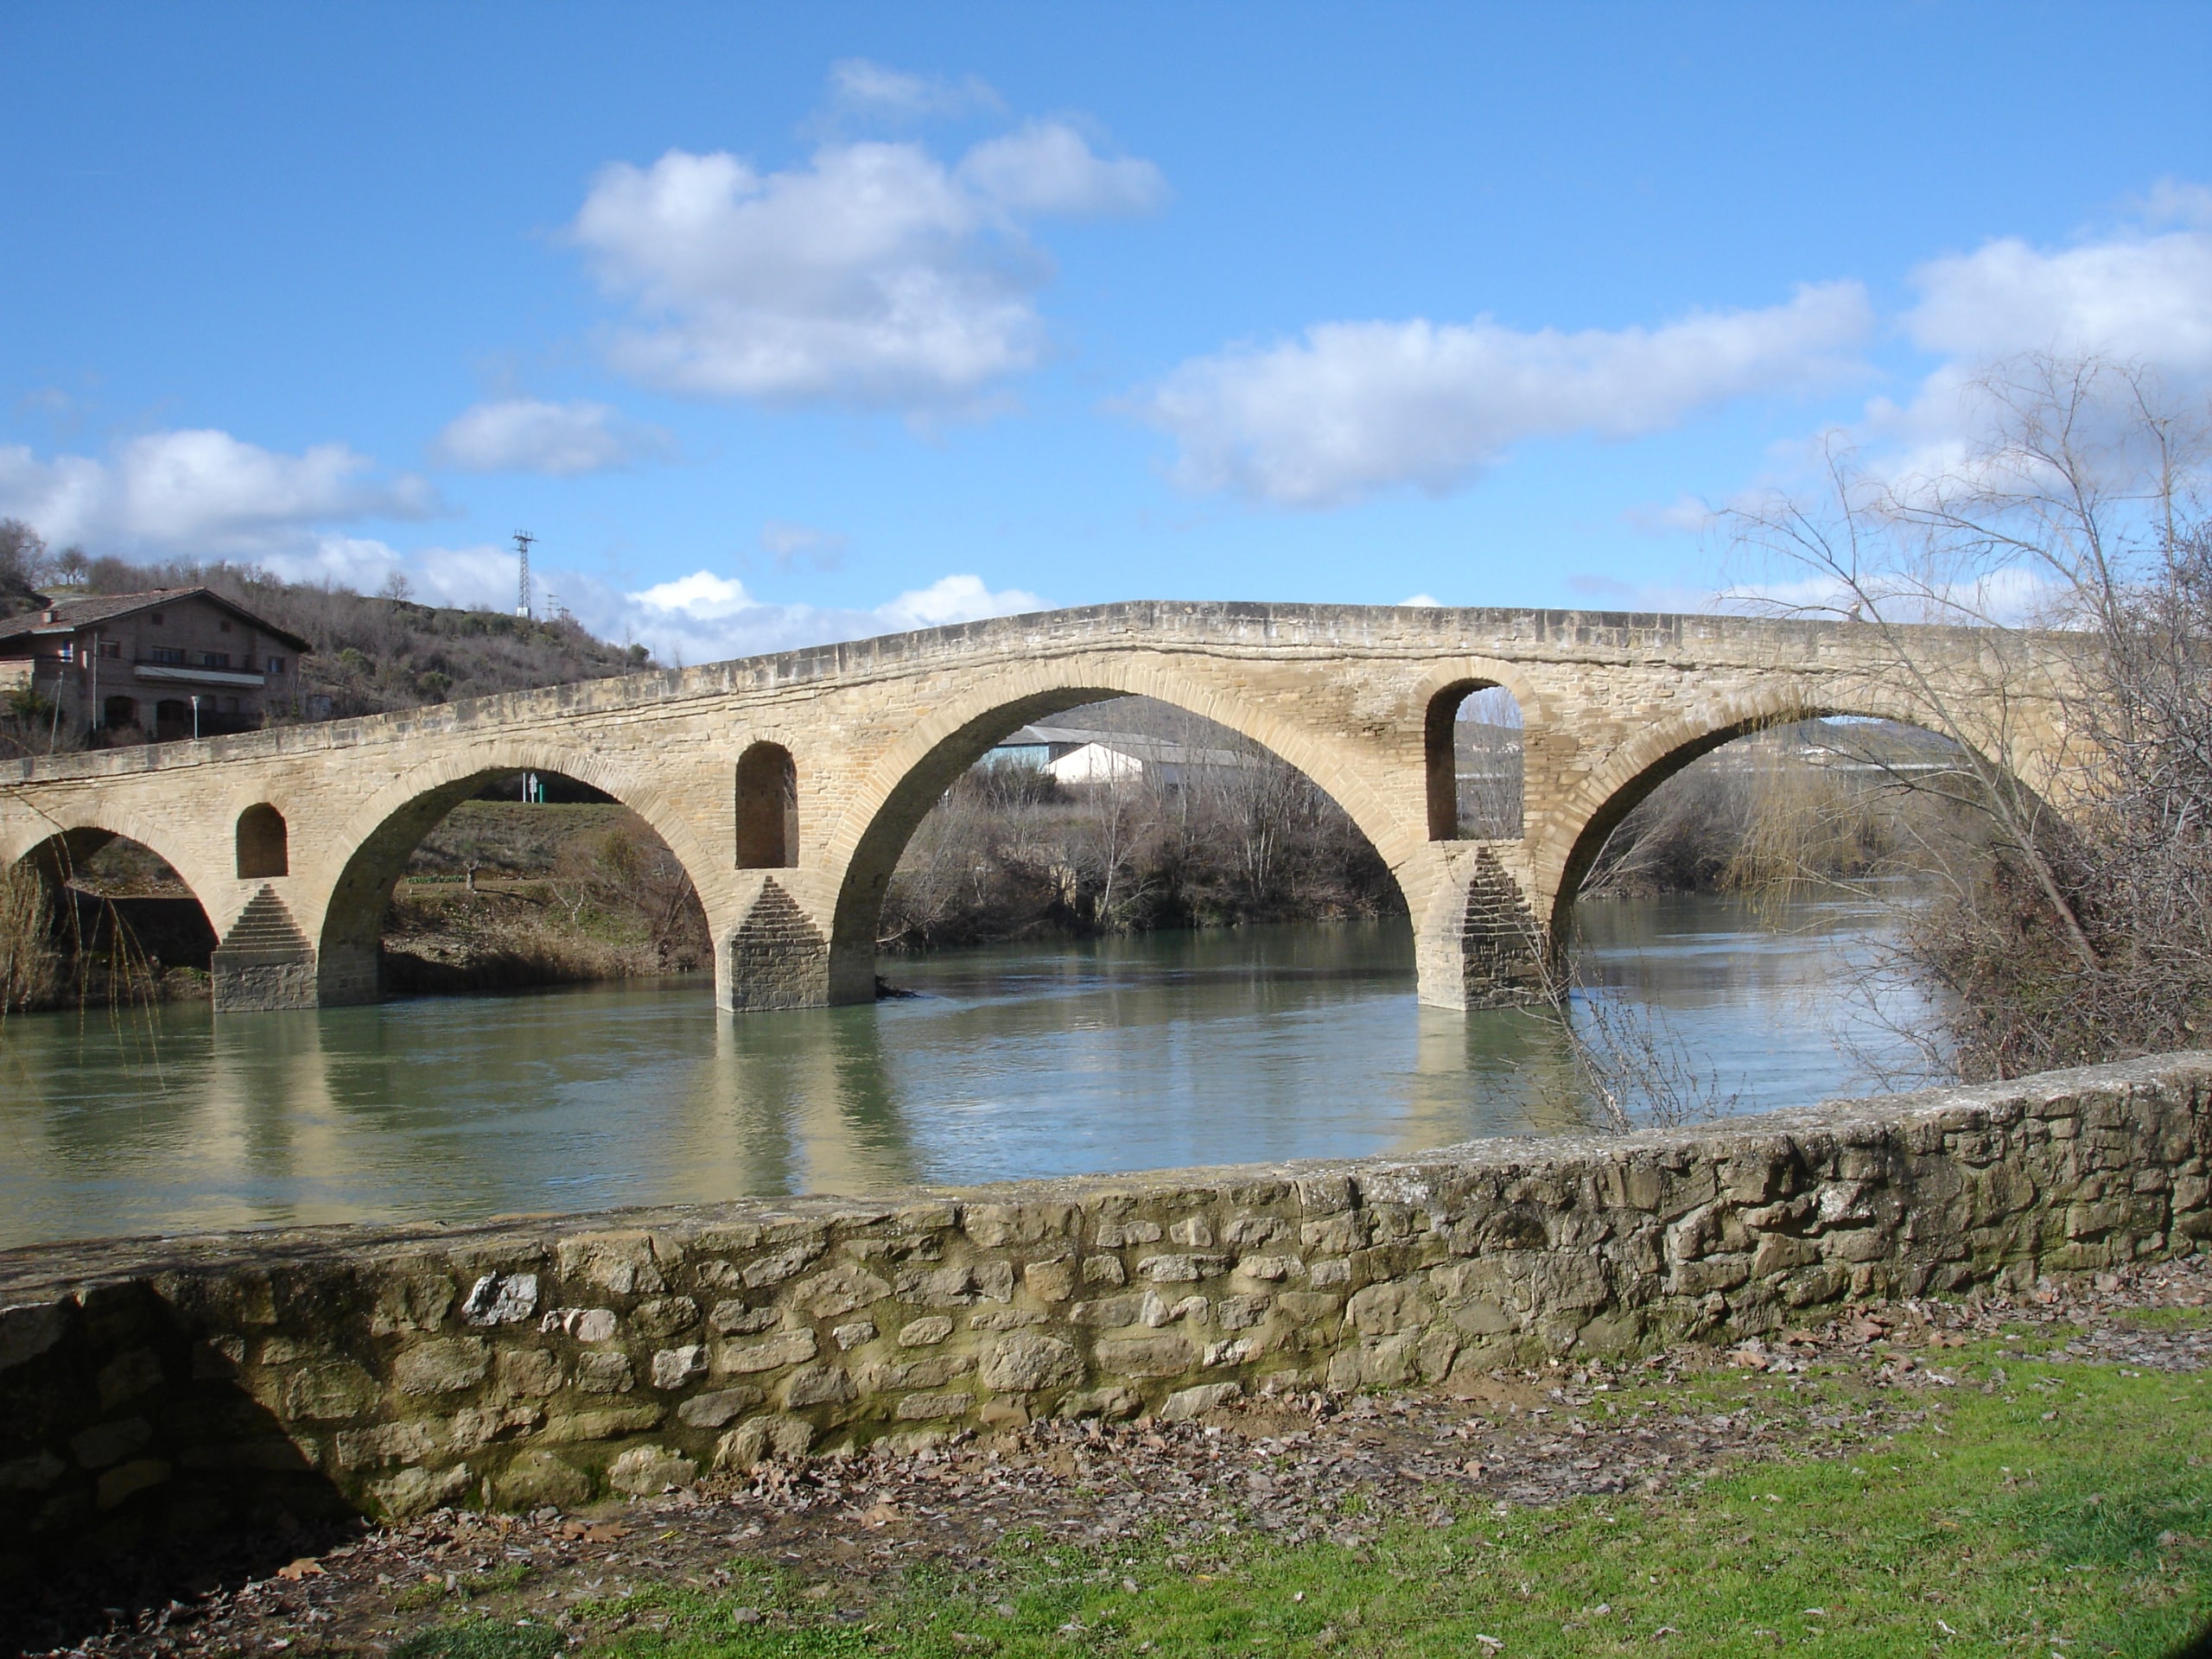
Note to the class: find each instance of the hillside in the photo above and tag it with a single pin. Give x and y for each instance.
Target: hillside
(371, 654)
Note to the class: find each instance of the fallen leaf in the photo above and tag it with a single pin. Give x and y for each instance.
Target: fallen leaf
(306, 1567)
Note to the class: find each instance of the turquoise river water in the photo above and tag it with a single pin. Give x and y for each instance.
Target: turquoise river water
(1216, 1047)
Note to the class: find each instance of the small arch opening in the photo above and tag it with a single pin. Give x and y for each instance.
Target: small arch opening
(263, 849)
(767, 809)
(1473, 741)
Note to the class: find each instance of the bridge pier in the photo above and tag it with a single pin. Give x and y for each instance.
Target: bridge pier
(1478, 944)
(777, 958)
(264, 962)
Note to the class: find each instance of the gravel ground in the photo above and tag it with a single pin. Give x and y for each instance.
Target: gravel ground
(1298, 1468)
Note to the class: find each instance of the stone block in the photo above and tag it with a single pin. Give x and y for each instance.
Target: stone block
(925, 1332)
(603, 1372)
(1184, 1404)
(501, 1299)
(28, 1332)
(620, 1263)
(645, 1470)
(783, 1264)
(758, 1438)
(928, 1406)
(1051, 1282)
(526, 1373)
(599, 1423)
(785, 1348)
(441, 1365)
(475, 1425)
(722, 1406)
(676, 1368)
(735, 1318)
(818, 1385)
(1166, 1353)
(660, 1318)
(329, 1393)
(411, 1491)
(1023, 1362)
(583, 1323)
(533, 1479)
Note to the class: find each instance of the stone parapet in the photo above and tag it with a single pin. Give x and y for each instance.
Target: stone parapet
(183, 1384)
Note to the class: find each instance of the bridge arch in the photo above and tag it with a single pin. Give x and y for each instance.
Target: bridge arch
(378, 838)
(869, 837)
(58, 858)
(1563, 853)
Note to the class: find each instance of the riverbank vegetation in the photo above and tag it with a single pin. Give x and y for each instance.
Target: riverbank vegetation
(2085, 933)
(1227, 833)
(505, 893)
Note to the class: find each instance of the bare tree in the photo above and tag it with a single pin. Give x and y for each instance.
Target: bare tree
(2077, 509)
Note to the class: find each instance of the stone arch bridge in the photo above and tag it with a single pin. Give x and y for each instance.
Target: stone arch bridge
(789, 785)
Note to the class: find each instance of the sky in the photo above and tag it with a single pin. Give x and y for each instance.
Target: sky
(777, 325)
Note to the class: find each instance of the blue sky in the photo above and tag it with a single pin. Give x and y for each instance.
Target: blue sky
(779, 324)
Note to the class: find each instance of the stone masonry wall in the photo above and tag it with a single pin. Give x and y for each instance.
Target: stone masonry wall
(179, 1385)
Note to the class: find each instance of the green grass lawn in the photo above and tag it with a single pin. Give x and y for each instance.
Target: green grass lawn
(2066, 1510)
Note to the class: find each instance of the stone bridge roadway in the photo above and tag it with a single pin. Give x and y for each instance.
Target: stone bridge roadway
(788, 785)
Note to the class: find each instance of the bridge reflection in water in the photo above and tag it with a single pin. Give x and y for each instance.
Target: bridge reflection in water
(1227, 1047)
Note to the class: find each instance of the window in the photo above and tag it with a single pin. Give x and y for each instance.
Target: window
(69, 650)
(166, 654)
(110, 647)
(275, 664)
(214, 659)
(223, 625)
(155, 619)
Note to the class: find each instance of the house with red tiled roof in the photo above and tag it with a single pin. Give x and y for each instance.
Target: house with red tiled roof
(177, 662)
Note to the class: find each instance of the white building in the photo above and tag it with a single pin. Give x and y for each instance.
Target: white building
(1072, 756)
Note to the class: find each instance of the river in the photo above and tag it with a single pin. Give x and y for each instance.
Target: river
(1218, 1047)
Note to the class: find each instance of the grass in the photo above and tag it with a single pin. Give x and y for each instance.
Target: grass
(2037, 1509)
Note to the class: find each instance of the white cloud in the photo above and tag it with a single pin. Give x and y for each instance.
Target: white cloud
(526, 435)
(202, 493)
(2134, 297)
(859, 86)
(875, 275)
(702, 616)
(2129, 300)
(955, 599)
(1423, 600)
(1047, 167)
(1357, 407)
